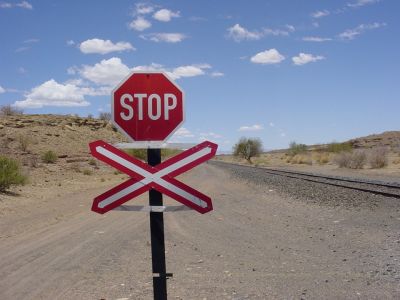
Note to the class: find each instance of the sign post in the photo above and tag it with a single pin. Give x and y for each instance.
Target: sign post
(149, 107)
(157, 235)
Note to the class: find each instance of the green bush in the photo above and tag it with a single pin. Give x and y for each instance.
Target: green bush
(10, 173)
(49, 157)
(295, 149)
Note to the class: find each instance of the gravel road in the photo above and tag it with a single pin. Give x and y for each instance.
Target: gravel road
(267, 238)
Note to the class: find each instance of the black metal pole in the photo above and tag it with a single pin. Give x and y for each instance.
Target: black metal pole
(157, 235)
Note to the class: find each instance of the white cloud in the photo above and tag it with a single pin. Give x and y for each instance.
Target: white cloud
(255, 127)
(182, 132)
(351, 34)
(217, 74)
(22, 4)
(359, 3)
(164, 37)
(291, 28)
(2, 90)
(189, 71)
(271, 56)
(316, 39)
(304, 58)
(320, 14)
(52, 93)
(276, 32)
(165, 15)
(139, 24)
(239, 33)
(70, 43)
(144, 8)
(104, 46)
(271, 124)
(107, 72)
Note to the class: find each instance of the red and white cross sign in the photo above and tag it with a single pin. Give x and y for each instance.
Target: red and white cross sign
(145, 177)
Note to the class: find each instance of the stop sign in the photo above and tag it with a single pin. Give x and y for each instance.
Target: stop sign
(147, 106)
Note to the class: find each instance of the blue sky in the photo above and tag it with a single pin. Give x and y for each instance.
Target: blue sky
(280, 70)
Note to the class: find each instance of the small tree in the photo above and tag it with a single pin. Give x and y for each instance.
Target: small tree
(295, 148)
(9, 110)
(247, 148)
(10, 173)
(105, 116)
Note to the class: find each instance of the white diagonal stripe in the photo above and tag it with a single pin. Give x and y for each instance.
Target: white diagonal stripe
(156, 177)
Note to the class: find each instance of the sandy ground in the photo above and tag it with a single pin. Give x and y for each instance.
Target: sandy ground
(254, 245)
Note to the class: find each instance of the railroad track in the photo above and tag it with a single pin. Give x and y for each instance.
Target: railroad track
(368, 186)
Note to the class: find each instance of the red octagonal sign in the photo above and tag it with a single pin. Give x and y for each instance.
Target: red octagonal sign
(147, 106)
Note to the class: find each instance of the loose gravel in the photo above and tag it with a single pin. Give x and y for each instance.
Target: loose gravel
(306, 191)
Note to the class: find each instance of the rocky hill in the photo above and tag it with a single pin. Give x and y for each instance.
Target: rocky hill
(27, 137)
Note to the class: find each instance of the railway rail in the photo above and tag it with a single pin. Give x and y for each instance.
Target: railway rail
(387, 189)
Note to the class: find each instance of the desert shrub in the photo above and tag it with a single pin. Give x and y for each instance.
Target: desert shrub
(295, 148)
(9, 110)
(322, 158)
(10, 173)
(49, 157)
(378, 157)
(300, 159)
(352, 160)
(24, 141)
(87, 172)
(105, 116)
(338, 147)
(247, 148)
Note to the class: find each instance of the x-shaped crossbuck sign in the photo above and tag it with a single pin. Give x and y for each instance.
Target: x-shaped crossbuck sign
(145, 177)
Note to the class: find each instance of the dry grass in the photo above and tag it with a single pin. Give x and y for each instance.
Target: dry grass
(322, 158)
(300, 159)
(351, 160)
(378, 157)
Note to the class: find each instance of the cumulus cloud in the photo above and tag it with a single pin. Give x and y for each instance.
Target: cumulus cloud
(104, 46)
(239, 33)
(255, 127)
(2, 90)
(22, 4)
(271, 56)
(164, 37)
(359, 3)
(320, 14)
(189, 71)
(351, 34)
(165, 15)
(176, 73)
(52, 93)
(304, 58)
(316, 39)
(139, 24)
(107, 72)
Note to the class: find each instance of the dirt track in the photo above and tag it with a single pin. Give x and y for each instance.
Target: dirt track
(254, 245)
